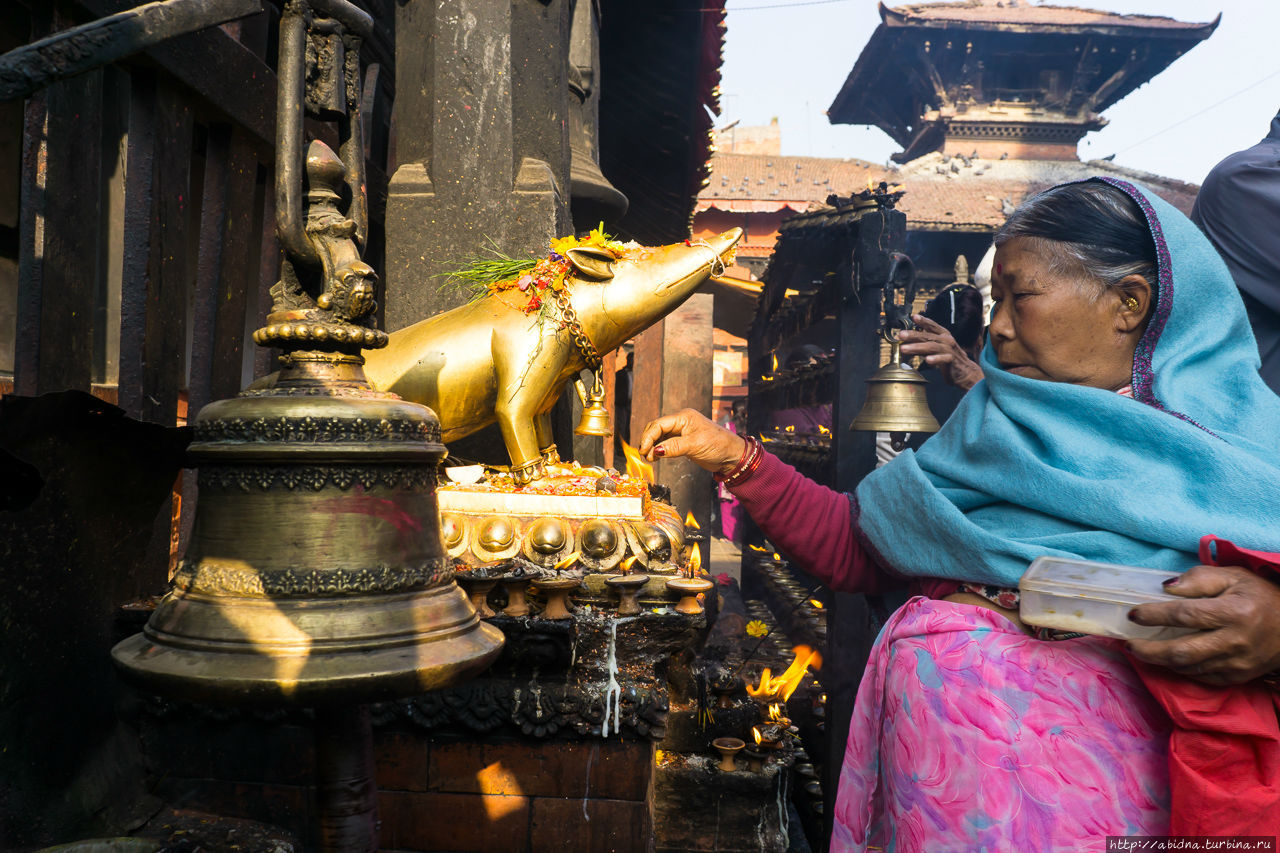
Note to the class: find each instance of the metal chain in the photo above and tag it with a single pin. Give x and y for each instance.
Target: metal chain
(580, 339)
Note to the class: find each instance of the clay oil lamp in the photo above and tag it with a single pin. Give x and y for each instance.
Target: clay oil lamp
(516, 584)
(724, 684)
(688, 585)
(627, 585)
(478, 584)
(755, 755)
(556, 588)
(770, 737)
(728, 747)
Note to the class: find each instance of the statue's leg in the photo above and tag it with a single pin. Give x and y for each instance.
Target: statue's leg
(515, 410)
(546, 441)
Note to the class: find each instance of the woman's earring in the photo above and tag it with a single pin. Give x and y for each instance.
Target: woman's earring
(1131, 303)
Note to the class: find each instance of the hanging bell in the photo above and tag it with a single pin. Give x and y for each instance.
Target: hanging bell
(595, 417)
(896, 401)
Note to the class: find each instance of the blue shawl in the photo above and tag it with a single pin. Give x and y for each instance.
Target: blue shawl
(1025, 467)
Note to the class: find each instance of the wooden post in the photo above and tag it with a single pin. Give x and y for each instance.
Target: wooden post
(674, 370)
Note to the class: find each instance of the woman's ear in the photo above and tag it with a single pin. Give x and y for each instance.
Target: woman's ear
(1134, 296)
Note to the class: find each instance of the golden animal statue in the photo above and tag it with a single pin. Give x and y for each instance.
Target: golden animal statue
(506, 356)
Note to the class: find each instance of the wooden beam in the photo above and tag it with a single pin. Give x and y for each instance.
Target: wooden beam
(76, 50)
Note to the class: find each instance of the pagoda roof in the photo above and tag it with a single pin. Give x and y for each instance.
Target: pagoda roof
(1009, 14)
(927, 67)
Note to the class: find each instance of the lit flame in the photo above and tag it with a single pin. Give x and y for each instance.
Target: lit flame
(791, 427)
(758, 548)
(695, 561)
(775, 713)
(690, 521)
(628, 563)
(774, 369)
(637, 467)
(755, 733)
(823, 430)
(818, 605)
(777, 556)
(567, 561)
(870, 185)
(784, 685)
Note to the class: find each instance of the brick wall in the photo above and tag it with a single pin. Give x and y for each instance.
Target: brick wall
(435, 794)
(514, 795)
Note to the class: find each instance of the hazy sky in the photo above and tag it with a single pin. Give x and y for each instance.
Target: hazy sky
(789, 61)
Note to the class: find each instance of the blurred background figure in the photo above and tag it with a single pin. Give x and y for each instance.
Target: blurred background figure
(1238, 209)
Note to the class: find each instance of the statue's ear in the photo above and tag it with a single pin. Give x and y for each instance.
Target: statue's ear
(591, 261)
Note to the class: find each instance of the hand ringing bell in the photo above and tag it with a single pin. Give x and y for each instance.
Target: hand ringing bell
(595, 415)
(896, 401)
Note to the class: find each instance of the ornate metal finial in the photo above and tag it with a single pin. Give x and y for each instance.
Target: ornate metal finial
(323, 305)
(962, 270)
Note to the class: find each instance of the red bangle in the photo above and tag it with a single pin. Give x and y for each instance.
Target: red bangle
(752, 455)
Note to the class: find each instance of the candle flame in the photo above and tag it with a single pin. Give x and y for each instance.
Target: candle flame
(690, 521)
(818, 605)
(628, 563)
(568, 561)
(775, 713)
(782, 686)
(695, 561)
(637, 467)
(791, 427)
(823, 430)
(777, 556)
(755, 733)
(758, 548)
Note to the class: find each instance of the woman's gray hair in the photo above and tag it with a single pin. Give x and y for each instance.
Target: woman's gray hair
(1090, 228)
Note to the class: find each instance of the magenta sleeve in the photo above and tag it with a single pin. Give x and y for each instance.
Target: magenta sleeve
(812, 525)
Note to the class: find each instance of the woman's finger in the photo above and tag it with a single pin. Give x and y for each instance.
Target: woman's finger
(655, 431)
(1194, 654)
(929, 325)
(1206, 581)
(1202, 614)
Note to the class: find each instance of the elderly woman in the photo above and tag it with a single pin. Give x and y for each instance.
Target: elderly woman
(1121, 419)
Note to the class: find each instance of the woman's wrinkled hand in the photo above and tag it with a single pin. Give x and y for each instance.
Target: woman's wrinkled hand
(1237, 617)
(688, 433)
(940, 351)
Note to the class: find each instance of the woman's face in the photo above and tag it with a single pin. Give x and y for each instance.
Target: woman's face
(1046, 326)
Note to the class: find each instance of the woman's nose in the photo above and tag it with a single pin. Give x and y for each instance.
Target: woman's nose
(1000, 328)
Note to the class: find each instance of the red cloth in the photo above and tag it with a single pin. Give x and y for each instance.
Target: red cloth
(1224, 753)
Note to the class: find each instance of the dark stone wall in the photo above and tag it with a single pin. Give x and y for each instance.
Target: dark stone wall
(84, 528)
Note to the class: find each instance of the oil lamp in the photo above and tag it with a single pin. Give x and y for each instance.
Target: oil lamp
(895, 393)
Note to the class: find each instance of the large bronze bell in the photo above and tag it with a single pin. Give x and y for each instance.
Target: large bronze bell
(896, 401)
(315, 573)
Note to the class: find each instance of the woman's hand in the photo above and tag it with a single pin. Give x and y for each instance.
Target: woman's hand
(1238, 617)
(940, 351)
(687, 433)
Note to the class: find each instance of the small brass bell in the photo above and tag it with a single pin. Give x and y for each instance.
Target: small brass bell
(595, 417)
(895, 401)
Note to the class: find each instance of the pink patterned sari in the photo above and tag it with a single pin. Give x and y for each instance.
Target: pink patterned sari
(969, 735)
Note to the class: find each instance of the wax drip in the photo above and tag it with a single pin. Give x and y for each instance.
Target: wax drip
(612, 690)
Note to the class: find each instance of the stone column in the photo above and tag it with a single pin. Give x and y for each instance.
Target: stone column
(481, 142)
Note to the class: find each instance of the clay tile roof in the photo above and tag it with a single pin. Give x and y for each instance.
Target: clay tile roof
(942, 193)
(761, 183)
(1023, 14)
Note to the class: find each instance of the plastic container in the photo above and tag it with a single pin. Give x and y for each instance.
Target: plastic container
(1093, 598)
